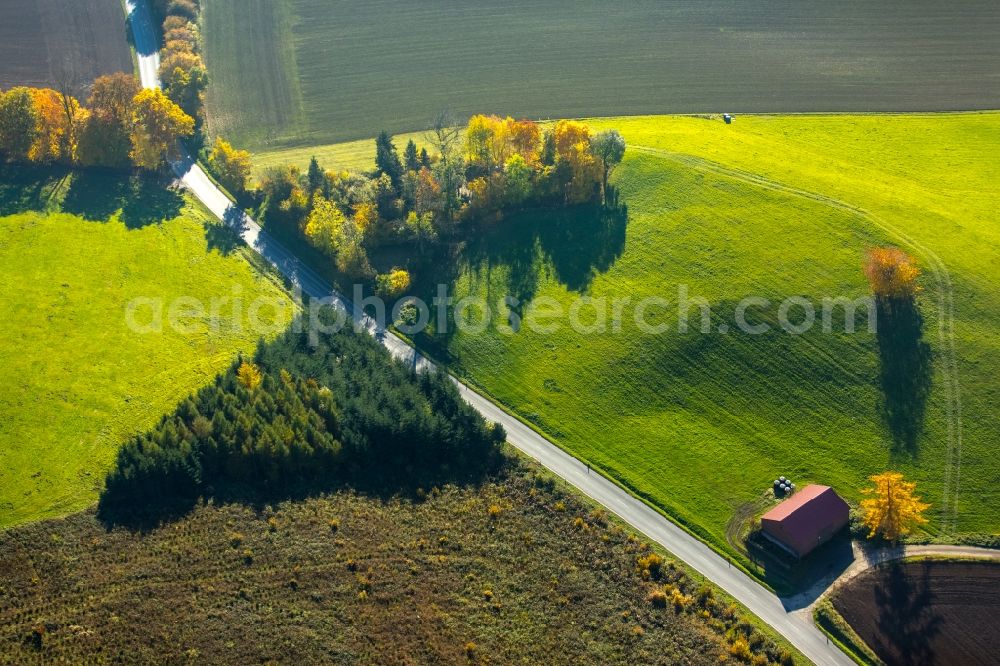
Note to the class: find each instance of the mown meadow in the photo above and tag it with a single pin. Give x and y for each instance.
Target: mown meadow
(75, 249)
(770, 206)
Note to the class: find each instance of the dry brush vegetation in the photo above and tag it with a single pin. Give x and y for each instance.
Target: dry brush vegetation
(510, 571)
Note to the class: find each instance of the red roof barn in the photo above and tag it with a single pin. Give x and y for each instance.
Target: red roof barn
(806, 519)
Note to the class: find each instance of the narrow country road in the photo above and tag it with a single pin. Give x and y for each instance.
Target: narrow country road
(794, 624)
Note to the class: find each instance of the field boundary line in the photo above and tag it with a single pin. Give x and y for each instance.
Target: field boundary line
(946, 306)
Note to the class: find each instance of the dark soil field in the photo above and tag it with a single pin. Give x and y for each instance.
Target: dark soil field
(512, 571)
(300, 72)
(929, 612)
(44, 42)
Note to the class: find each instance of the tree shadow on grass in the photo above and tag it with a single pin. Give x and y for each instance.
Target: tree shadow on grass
(150, 201)
(584, 242)
(574, 245)
(906, 620)
(578, 243)
(905, 360)
(97, 194)
(25, 188)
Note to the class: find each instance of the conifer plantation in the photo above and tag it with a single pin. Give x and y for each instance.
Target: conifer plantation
(301, 418)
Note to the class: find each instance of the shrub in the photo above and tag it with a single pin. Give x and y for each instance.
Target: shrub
(393, 284)
(679, 600)
(650, 566)
(741, 649)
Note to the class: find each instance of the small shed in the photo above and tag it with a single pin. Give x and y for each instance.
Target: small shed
(805, 520)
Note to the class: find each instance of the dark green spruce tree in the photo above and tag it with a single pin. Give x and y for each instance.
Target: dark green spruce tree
(387, 159)
(410, 158)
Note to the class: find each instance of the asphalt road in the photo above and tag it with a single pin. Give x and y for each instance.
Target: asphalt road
(794, 624)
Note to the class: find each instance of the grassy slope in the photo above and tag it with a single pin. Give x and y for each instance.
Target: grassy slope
(74, 380)
(932, 178)
(295, 72)
(351, 156)
(660, 413)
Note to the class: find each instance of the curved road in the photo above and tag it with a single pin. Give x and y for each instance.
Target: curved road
(793, 622)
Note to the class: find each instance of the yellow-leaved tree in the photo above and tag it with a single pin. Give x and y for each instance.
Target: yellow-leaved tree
(572, 143)
(231, 166)
(892, 510)
(365, 216)
(157, 125)
(393, 284)
(325, 225)
(249, 375)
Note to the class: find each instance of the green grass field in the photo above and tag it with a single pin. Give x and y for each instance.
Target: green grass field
(771, 206)
(303, 72)
(75, 381)
(357, 156)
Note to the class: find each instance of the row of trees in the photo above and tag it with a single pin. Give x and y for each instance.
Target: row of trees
(482, 171)
(182, 71)
(301, 418)
(120, 125)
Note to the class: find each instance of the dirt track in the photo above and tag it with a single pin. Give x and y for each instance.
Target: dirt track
(929, 612)
(45, 41)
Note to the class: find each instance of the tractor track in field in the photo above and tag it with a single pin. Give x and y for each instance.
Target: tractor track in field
(946, 307)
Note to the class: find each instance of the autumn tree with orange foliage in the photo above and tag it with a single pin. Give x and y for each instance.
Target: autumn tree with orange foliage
(491, 140)
(113, 97)
(573, 154)
(892, 510)
(39, 125)
(892, 274)
(106, 136)
(58, 118)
